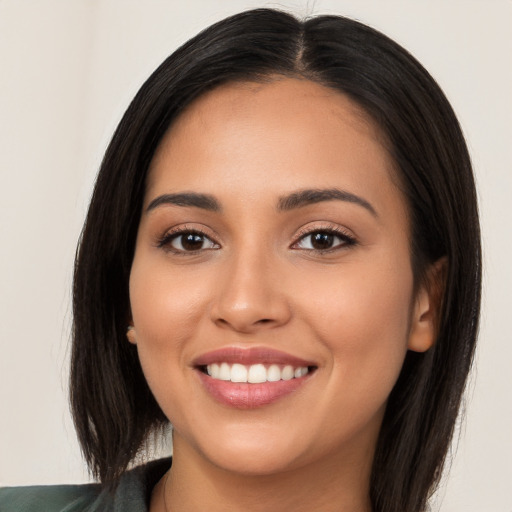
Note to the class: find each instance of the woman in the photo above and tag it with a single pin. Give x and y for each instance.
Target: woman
(281, 259)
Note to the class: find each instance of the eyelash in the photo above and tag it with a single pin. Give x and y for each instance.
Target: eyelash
(346, 240)
(165, 241)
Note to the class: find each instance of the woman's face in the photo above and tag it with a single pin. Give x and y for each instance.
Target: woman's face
(274, 247)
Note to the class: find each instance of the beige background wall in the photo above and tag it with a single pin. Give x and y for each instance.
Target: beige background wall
(68, 69)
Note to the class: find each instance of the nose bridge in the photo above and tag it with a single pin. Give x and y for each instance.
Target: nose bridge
(249, 295)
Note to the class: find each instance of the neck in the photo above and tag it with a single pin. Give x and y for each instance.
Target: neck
(338, 484)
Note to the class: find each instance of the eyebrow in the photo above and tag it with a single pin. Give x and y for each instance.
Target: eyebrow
(298, 199)
(307, 197)
(204, 201)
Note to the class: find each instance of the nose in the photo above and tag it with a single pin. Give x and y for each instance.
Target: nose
(251, 296)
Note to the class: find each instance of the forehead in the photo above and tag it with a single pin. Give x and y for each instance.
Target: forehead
(290, 132)
(277, 96)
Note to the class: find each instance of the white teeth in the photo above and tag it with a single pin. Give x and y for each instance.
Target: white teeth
(287, 373)
(255, 373)
(300, 372)
(273, 373)
(238, 373)
(224, 372)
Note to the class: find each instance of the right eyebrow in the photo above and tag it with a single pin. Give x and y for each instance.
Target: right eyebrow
(204, 201)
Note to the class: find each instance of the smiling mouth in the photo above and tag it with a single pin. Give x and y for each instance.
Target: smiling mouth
(249, 378)
(254, 373)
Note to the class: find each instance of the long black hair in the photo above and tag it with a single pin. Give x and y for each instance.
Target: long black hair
(113, 408)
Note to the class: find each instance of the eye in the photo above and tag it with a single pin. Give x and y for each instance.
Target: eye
(187, 241)
(324, 240)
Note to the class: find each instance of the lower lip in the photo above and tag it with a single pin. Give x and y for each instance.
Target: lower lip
(249, 396)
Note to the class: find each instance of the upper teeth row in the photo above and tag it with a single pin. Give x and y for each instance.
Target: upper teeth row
(254, 373)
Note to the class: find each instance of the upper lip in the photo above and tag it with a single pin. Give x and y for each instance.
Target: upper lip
(249, 356)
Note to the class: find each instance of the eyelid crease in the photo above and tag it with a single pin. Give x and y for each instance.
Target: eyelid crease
(330, 228)
(348, 238)
(164, 241)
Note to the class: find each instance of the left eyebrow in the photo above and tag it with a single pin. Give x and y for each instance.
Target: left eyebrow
(305, 197)
(204, 201)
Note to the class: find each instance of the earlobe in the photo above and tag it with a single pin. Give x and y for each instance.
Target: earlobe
(130, 334)
(427, 308)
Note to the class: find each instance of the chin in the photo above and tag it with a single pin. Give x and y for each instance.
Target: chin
(249, 451)
(249, 461)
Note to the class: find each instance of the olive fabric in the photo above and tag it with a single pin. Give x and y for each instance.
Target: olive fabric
(132, 494)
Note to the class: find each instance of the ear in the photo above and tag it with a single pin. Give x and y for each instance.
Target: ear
(130, 334)
(427, 308)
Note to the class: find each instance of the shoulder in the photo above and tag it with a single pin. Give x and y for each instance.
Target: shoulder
(48, 498)
(131, 495)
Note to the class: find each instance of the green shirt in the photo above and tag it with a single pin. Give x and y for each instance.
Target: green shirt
(132, 494)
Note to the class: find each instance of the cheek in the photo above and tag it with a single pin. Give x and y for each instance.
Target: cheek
(166, 309)
(163, 301)
(362, 317)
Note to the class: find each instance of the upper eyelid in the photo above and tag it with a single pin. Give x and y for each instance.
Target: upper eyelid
(339, 235)
(177, 231)
(346, 236)
(182, 229)
(308, 230)
(331, 228)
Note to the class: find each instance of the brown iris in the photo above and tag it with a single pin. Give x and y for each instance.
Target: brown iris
(322, 241)
(192, 241)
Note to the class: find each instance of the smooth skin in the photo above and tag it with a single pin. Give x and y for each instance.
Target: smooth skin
(329, 282)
